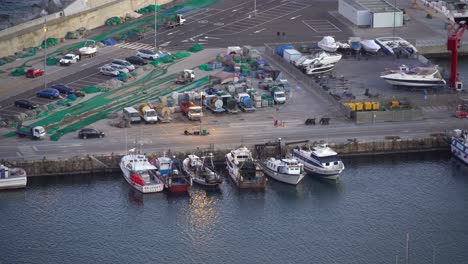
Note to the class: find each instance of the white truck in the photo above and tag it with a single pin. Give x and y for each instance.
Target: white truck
(178, 20)
(131, 114)
(279, 96)
(36, 132)
(69, 59)
(148, 114)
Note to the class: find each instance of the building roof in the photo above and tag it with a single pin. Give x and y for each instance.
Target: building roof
(374, 6)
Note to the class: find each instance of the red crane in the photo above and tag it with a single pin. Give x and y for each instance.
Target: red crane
(453, 44)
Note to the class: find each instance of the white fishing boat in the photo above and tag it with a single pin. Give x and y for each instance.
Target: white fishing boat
(459, 145)
(328, 43)
(12, 178)
(245, 172)
(370, 46)
(390, 44)
(320, 160)
(140, 173)
(284, 170)
(202, 170)
(414, 77)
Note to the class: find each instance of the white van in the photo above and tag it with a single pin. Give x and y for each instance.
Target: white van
(131, 114)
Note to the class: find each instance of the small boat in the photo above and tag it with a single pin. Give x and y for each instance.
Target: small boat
(370, 46)
(457, 11)
(321, 161)
(140, 173)
(170, 174)
(284, 170)
(414, 77)
(313, 69)
(202, 170)
(12, 178)
(355, 43)
(328, 43)
(459, 145)
(244, 170)
(391, 44)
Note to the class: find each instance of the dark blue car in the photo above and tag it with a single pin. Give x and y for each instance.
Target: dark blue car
(62, 88)
(48, 93)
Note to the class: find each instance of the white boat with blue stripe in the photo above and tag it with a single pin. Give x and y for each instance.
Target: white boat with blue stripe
(459, 145)
(320, 160)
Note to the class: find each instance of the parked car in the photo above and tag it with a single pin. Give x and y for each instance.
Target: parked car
(49, 93)
(85, 133)
(106, 70)
(62, 88)
(25, 103)
(147, 54)
(120, 69)
(136, 60)
(33, 72)
(123, 63)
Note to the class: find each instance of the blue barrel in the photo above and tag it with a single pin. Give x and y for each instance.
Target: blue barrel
(247, 102)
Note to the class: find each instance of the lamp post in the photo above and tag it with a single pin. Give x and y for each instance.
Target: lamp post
(201, 111)
(155, 24)
(255, 7)
(44, 14)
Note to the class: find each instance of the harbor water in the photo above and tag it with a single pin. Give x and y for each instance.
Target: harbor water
(363, 219)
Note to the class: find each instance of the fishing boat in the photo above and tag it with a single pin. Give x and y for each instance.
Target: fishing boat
(12, 178)
(370, 46)
(459, 145)
(320, 160)
(391, 44)
(140, 173)
(245, 172)
(284, 170)
(328, 43)
(414, 77)
(170, 174)
(202, 170)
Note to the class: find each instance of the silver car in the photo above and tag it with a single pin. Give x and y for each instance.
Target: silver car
(106, 70)
(147, 54)
(119, 68)
(123, 63)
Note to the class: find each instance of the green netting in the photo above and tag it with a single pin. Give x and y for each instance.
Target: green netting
(31, 52)
(148, 9)
(181, 54)
(156, 61)
(52, 61)
(205, 67)
(91, 89)
(113, 21)
(199, 3)
(168, 59)
(196, 48)
(9, 134)
(123, 76)
(50, 42)
(18, 72)
(52, 130)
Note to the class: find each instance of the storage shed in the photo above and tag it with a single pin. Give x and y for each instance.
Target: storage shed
(371, 13)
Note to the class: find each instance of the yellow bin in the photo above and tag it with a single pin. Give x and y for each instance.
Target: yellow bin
(359, 106)
(395, 104)
(375, 106)
(368, 106)
(352, 106)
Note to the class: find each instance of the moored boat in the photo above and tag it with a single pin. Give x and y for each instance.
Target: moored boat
(320, 160)
(391, 44)
(140, 173)
(370, 46)
(169, 172)
(459, 145)
(245, 172)
(328, 43)
(202, 170)
(12, 178)
(415, 77)
(284, 170)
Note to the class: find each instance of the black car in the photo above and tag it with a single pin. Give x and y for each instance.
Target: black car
(24, 103)
(85, 133)
(136, 60)
(62, 88)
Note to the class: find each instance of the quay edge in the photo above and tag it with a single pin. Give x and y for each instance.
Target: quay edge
(102, 164)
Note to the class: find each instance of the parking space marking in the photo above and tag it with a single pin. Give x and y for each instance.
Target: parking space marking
(134, 45)
(321, 25)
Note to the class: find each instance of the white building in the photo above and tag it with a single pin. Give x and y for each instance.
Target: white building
(371, 13)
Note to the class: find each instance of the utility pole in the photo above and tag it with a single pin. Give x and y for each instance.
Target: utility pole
(45, 48)
(407, 248)
(394, 19)
(255, 7)
(155, 24)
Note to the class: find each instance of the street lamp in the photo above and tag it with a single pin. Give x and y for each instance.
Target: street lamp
(155, 24)
(255, 7)
(44, 14)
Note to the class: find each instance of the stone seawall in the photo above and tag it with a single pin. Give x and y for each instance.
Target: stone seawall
(110, 163)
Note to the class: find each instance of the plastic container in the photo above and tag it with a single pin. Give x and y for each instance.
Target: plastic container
(368, 106)
(352, 106)
(359, 106)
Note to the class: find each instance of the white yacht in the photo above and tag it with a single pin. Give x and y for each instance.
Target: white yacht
(12, 178)
(321, 161)
(140, 173)
(370, 46)
(414, 77)
(322, 58)
(390, 44)
(313, 69)
(284, 170)
(244, 170)
(328, 43)
(459, 145)
(202, 170)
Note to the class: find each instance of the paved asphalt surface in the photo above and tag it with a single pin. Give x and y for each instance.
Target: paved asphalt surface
(228, 23)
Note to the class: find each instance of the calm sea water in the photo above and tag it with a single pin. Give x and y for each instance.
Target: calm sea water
(363, 219)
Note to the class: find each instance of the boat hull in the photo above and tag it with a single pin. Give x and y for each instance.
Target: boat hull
(243, 184)
(13, 183)
(203, 183)
(320, 70)
(147, 188)
(325, 173)
(286, 178)
(414, 83)
(458, 152)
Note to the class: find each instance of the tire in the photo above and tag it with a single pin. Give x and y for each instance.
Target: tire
(85, 136)
(101, 136)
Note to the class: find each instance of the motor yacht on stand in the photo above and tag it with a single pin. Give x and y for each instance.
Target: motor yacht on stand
(328, 43)
(414, 77)
(370, 46)
(140, 173)
(202, 170)
(244, 171)
(391, 44)
(12, 178)
(320, 160)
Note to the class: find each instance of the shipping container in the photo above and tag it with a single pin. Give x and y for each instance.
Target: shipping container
(291, 55)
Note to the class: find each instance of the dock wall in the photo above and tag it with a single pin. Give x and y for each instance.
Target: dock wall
(110, 163)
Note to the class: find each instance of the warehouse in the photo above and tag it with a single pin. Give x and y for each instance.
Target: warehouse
(371, 13)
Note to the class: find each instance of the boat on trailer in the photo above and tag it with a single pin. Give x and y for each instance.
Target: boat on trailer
(414, 77)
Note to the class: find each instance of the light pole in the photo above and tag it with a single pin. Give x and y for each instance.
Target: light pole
(155, 24)
(255, 7)
(45, 47)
